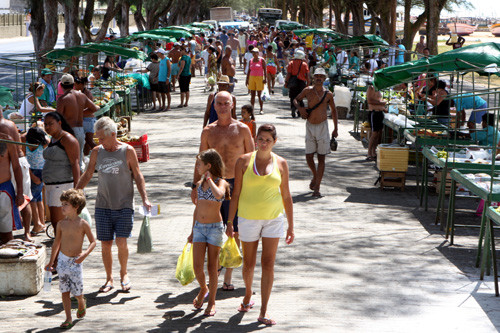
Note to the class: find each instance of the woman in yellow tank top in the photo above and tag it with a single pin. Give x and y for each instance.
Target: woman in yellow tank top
(260, 194)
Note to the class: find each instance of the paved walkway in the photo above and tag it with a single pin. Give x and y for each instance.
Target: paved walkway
(364, 260)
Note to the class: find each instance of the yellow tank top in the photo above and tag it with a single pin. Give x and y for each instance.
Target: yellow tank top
(260, 197)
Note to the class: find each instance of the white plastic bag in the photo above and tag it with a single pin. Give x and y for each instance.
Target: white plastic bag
(265, 94)
(280, 78)
(85, 214)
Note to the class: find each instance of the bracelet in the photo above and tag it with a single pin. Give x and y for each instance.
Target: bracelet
(229, 222)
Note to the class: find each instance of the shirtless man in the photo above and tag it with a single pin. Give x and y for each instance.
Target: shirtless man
(231, 139)
(88, 116)
(376, 105)
(317, 134)
(235, 46)
(9, 200)
(228, 68)
(175, 56)
(72, 105)
(9, 129)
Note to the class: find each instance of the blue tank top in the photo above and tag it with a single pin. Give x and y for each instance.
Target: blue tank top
(213, 114)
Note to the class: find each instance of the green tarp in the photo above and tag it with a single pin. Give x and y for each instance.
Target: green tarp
(92, 48)
(143, 35)
(201, 25)
(167, 32)
(290, 26)
(472, 57)
(322, 31)
(353, 41)
(191, 30)
(6, 97)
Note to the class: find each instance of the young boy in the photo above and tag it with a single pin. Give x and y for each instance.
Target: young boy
(69, 240)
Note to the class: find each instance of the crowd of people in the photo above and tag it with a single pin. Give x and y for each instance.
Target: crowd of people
(239, 186)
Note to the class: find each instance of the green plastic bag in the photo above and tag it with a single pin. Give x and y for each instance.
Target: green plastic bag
(230, 256)
(185, 271)
(145, 241)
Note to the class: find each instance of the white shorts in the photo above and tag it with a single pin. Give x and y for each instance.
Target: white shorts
(252, 230)
(317, 138)
(25, 168)
(234, 55)
(53, 193)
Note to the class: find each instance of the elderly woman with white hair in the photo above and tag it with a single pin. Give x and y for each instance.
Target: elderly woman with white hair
(117, 165)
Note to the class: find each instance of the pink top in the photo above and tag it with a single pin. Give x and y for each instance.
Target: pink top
(256, 68)
(252, 42)
(60, 91)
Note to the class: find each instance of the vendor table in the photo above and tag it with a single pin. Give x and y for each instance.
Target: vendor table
(475, 188)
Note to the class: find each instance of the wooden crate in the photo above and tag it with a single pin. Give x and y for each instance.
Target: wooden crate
(392, 179)
(392, 158)
(365, 132)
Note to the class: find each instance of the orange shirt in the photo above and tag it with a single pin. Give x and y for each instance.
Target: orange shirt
(250, 124)
(293, 68)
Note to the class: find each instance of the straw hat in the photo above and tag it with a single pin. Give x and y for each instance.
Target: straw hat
(224, 79)
(320, 71)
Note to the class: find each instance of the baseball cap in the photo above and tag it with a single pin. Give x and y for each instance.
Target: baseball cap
(67, 79)
(46, 71)
(162, 51)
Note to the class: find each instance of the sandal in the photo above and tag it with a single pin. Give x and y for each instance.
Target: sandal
(227, 287)
(219, 270)
(200, 305)
(246, 307)
(105, 288)
(66, 325)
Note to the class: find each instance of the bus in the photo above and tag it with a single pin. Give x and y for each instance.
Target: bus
(268, 15)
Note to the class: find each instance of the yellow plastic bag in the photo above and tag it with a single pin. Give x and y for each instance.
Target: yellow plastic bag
(230, 256)
(185, 271)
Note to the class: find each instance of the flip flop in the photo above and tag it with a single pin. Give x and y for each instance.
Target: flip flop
(66, 325)
(227, 287)
(195, 302)
(219, 270)
(36, 233)
(81, 313)
(106, 288)
(266, 321)
(316, 195)
(246, 307)
(126, 286)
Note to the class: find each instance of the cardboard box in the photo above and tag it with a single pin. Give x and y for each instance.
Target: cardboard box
(392, 158)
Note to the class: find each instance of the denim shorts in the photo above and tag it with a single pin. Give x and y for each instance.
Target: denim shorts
(36, 190)
(88, 124)
(210, 233)
(110, 223)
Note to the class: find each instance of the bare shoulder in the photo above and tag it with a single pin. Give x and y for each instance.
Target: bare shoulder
(281, 161)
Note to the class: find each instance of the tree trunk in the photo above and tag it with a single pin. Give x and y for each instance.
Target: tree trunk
(358, 21)
(51, 30)
(111, 11)
(37, 25)
(330, 14)
(392, 32)
(71, 19)
(87, 22)
(411, 29)
(124, 19)
(434, 8)
(338, 8)
(283, 10)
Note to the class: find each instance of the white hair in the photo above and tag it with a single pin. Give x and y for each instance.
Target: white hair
(107, 125)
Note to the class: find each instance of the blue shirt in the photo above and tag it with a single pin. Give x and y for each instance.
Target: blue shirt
(469, 101)
(162, 74)
(186, 71)
(354, 61)
(485, 137)
(223, 39)
(400, 58)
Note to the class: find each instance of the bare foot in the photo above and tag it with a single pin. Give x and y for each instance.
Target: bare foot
(312, 184)
(198, 301)
(210, 310)
(27, 237)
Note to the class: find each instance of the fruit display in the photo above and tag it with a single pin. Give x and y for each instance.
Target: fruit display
(430, 133)
(442, 154)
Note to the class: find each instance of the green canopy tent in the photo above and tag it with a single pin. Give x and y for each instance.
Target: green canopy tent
(92, 48)
(291, 26)
(191, 30)
(167, 32)
(322, 31)
(468, 58)
(200, 25)
(141, 36)
(353, 41)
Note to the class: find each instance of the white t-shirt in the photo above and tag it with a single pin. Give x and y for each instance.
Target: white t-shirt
(373, 65)
(341, 57)
(204, 55)
(248, 56)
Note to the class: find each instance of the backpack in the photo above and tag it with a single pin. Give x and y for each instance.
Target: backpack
(293, 81)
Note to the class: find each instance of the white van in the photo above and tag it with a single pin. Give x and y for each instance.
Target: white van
(214, 23)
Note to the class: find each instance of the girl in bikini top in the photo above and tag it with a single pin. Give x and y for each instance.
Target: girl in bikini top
(208, 194)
